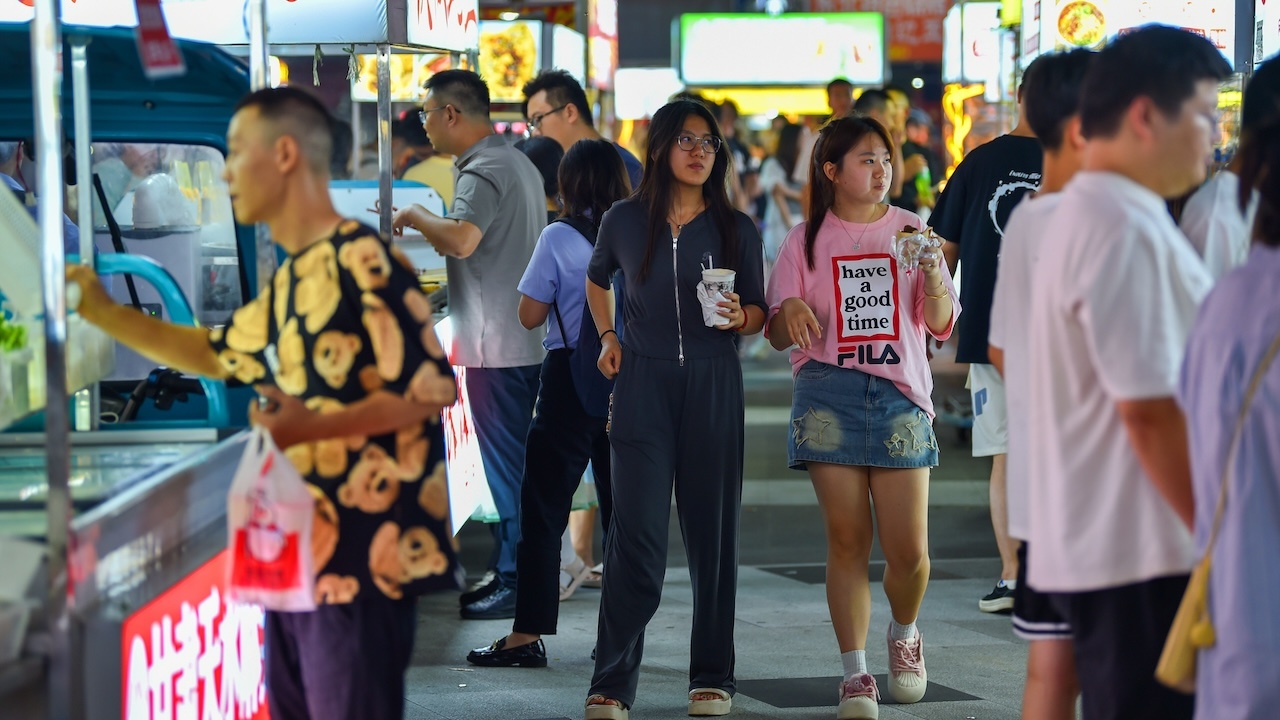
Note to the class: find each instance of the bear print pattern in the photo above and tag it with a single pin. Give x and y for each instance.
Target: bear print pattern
(342, 320)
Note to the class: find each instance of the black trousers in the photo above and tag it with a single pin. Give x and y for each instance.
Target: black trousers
(674, 427)
(1118, 635)
(562, 438)
(340, 661)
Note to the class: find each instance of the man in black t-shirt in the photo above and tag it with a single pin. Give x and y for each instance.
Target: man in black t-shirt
(971, 214)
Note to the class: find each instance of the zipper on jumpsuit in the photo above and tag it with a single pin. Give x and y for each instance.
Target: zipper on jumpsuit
(675, 283)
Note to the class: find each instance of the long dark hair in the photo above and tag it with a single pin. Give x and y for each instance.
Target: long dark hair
(835, 140)
(1260, 152)
(592, 179)
(788, 152)
(657, 185)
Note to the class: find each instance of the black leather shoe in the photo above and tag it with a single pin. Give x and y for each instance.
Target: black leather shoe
(485, 587)
(498, 605)
(533, 655)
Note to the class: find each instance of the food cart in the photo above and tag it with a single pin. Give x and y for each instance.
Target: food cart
(110, 604)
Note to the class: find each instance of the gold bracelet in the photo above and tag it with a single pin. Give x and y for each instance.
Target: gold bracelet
(937, 297)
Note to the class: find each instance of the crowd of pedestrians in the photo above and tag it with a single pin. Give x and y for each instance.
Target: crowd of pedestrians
(599, 303)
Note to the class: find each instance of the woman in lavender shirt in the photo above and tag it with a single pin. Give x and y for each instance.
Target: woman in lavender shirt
(1239, 677)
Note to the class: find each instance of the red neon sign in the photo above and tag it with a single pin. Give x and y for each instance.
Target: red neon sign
(191, 654)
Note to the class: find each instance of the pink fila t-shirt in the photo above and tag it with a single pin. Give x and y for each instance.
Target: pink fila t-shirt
(870, 309)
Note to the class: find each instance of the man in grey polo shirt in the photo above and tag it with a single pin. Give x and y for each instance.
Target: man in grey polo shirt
(498, 212)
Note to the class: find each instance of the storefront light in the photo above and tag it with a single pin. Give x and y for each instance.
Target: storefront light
(917, 83)
(509, 15)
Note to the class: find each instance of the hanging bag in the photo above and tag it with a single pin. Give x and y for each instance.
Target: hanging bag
(269, 514)
(1192, 625)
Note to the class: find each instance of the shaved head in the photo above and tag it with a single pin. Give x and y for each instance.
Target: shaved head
(291, 112)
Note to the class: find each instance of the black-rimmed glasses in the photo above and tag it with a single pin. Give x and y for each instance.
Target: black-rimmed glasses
(710, 145)
(536, 121)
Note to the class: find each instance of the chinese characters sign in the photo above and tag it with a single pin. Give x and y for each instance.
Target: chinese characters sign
(444, 24)
(191, 655)
(1054, 24)
(160, 56)
(915, 26)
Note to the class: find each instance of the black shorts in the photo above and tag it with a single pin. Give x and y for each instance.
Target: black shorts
(1118, 636)
(1034, 616)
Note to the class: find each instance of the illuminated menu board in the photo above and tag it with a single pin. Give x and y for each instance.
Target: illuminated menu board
(793, 49)
(1049, 25)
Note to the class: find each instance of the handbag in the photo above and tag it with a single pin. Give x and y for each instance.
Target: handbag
(1192, 627)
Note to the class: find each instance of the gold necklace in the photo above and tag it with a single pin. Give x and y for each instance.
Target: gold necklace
(857, 244)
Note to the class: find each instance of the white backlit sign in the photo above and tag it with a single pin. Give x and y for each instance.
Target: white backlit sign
(1063, 24)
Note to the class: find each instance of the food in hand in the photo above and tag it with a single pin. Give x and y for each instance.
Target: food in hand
(910, 244)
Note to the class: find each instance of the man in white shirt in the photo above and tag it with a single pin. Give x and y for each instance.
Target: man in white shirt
(1117, 288)
(1212, 219)
(1051, 100)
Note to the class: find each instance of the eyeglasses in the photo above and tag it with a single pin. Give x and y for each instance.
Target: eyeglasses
(422, 114)
(710, 145)
(535, 122)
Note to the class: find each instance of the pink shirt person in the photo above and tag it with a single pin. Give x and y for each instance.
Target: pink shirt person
(871, 310)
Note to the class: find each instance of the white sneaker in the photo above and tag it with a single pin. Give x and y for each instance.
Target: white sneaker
(907, 676)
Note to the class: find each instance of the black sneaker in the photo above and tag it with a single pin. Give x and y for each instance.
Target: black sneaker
(999, 600)
(498, 605)
(533, 655)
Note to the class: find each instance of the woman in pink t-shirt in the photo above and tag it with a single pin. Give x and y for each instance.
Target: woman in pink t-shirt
(862, 420)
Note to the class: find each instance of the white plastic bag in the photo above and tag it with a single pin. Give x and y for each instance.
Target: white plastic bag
(269, 514)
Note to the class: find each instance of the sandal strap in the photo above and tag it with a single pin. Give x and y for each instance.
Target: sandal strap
(723, 695)
(604, 701)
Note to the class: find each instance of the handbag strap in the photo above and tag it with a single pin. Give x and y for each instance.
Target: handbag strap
(1235, 441)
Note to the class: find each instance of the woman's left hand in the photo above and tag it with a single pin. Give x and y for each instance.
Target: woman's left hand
(732, 309)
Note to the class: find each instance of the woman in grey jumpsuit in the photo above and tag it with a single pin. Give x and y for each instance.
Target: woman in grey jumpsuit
(677, 418)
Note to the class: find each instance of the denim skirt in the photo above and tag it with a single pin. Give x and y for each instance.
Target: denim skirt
(844, 416)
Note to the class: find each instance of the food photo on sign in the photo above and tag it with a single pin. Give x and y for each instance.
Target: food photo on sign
(509, 57)
(1091, 23)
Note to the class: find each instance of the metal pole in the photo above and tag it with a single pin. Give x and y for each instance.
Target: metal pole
(46, 63)
(259, 52)
(260, 77)
(356, 133)
(84, 188)
(384, 139)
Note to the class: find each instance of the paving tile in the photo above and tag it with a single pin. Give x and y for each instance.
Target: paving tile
(821, 691)
(817, 574)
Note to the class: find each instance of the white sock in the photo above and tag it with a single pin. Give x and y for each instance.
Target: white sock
(901, 632)
(855, 663)
(1011, 584)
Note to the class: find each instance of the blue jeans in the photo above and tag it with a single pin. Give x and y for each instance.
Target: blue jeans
(502, 401)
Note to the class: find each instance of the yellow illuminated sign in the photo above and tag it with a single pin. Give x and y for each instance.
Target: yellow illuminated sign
(772, 101)
(1010, 13)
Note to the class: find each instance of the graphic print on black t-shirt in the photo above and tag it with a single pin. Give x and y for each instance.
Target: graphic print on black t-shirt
(344, 319)
(972, 212)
